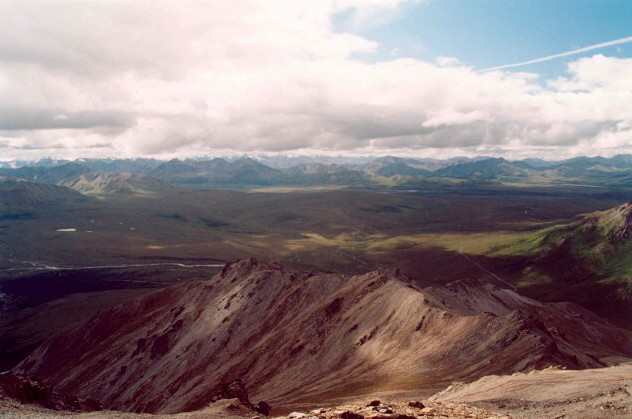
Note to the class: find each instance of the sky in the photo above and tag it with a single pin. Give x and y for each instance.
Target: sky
(427, 78)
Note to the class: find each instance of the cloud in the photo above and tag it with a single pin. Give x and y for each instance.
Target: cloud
(162, 78)
(47, 119)
(577, 51)
(447, 61)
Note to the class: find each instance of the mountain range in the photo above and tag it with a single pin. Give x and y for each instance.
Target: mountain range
(389, 171)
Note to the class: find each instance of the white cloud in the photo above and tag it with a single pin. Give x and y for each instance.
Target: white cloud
(165, 78)
(447, 61)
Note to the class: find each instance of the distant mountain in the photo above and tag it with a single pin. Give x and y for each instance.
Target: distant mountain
(250, 171)
(47, 174)
(582, 166)
(395, 166)
(355, 171)
(140, 166)
(283, 162)
(174, 167)
(324, 174)
(19, 198)
(622, 160)
(293, 337)
(46, 162)
(488, 169)
(116, 183)
(436, 164)
(218, 172)
(616, 170)
(538, 163)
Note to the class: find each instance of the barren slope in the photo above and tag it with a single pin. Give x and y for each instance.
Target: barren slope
(551, 393)
(299, 340)
(222, 409)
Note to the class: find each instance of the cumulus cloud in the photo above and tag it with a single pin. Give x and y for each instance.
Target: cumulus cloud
(175, 78)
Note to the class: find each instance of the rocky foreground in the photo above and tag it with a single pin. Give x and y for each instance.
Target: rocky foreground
(411, 410)
(551, 393)
(601, 393)
(234, 409)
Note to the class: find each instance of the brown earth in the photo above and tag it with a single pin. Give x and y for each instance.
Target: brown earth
(232, 409)
(551, 393)
(222, 409)
(301, 340)
(376, 409)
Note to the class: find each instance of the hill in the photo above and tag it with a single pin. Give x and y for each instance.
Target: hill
(297, 339)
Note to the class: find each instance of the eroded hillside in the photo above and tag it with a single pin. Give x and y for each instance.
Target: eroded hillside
(296, 339)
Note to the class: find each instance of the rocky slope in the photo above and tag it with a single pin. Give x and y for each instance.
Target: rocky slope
(299, 340)
(551, 393)
(222, 409)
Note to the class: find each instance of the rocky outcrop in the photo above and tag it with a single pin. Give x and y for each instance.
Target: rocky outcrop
(397, 410)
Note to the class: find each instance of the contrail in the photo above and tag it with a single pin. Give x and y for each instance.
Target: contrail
(562, 54)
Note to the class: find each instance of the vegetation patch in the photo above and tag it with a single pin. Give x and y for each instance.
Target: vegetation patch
(494, 243)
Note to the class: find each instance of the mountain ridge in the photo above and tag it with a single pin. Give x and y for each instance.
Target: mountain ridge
(300, 339)
(389, 171)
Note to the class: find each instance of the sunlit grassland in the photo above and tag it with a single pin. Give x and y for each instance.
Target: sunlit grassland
(493, 243)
